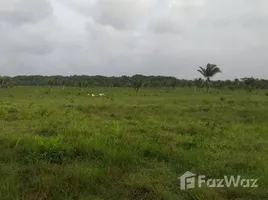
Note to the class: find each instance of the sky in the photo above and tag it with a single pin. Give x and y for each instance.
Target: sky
(127, 37)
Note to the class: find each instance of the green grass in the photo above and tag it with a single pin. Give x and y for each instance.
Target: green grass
(67, 145)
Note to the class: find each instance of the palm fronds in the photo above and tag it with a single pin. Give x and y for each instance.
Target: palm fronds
(208, 72)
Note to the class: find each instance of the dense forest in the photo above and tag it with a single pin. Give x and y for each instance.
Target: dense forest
(125, 81)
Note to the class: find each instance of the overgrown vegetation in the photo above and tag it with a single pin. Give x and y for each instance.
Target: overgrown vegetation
(249, 84)
(66, 145)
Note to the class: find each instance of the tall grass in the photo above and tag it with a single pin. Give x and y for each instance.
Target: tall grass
(65, 144)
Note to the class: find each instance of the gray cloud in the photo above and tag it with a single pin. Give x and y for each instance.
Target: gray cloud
(24, 11)
(121, 14)
(165, 25)
(116, 37)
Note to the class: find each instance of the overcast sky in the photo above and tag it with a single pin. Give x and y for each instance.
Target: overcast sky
(126, 37)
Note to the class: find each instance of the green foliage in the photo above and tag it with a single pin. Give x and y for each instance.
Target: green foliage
(208, 72)
(126, 81)
(249, 84)
(174, 83)
(137, 83)
(116, 128)
(6, 82)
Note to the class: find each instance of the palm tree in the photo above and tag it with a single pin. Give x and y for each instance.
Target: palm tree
(208, 72)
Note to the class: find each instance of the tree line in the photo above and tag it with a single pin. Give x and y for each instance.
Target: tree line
(137, 81)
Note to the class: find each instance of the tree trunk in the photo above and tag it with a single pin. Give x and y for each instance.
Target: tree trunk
(208, 84)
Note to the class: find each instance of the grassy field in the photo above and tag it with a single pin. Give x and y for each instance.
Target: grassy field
(67, 145)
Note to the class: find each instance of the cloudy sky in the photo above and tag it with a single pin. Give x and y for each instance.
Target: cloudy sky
(126, 37)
